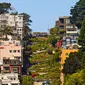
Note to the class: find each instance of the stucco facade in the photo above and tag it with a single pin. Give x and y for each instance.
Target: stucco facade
(10, 49)
(15, 21)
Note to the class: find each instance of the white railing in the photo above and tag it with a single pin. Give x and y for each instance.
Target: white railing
(72, 32)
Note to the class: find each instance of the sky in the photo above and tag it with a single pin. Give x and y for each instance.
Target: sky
(43, 13)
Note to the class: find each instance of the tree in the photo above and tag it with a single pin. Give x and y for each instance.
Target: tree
(75, 62)
(27, 21)
(78, 13)
(72, 64)
(77, 78)
(81, 39)
(27, 80)
(6, 30)
(52, 39)
(46, 62)
(54, 30)
(26, 42)
(5, 7)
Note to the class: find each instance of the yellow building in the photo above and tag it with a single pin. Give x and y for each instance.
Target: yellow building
(65, 53)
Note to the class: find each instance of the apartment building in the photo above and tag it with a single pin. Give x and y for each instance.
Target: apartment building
(71, 31)
(10, 60)
(63, 22)
(10, 49)
(15, 21)
(9, 79)
(71, 37)
(11, 57)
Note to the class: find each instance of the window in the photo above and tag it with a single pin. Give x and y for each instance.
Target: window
(11, 78)
(75, 42)
(20, 34)
(61, 27)
(61, 20)
(6, 68)
(14, 51)
(1, 77)
(14, 78)
(20, 29)
(69, 27)
(19, 51)
(20, 17)
(17, 29)
(10, 51)
(15, 69)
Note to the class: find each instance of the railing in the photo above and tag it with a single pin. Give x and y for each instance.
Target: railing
(11, 62)
(71, 32)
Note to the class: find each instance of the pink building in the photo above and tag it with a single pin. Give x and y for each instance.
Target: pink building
(10, 50)
(11, 56)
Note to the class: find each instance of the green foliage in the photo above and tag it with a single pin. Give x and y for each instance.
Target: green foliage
(75, 62)
(77, 78)
(55, 35)
(14, 13)
(81, 39)
(78, 13)
(83, 61)
(55, 80)
(27, 80)
(48, 64)
(52, 39)
(61, 32)
(53, 31)
(5, 7)
(72, 64)
(6, 30)
(27, 21)
(26, 41)
(39, 44)
(38, 57)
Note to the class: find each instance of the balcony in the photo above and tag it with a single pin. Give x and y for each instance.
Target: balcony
(8, 62)
(61, 24)
(71, 32)
(6, 69)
